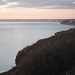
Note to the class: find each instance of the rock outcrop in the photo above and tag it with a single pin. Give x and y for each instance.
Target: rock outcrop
(68, 21)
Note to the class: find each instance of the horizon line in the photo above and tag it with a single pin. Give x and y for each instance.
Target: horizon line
(35, 19)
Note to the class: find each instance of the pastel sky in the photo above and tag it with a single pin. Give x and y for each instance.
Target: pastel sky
(37, 9)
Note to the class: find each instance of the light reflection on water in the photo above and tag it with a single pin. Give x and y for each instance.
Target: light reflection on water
(14, 36)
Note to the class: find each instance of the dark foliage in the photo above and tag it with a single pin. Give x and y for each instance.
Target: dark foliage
(51, 56)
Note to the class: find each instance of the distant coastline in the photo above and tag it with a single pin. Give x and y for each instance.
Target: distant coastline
(31, 20)
(62, 21)
(68, 21)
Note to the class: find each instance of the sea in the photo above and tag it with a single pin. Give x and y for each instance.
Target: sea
(17, 34)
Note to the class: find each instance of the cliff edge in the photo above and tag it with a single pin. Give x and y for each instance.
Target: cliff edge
(51, 56)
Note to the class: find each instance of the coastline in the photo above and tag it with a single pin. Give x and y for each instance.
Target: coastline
(41, 44)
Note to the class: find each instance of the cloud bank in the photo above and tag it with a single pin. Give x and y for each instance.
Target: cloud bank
(47, 4)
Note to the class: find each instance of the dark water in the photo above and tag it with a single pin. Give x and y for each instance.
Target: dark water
(14, 36)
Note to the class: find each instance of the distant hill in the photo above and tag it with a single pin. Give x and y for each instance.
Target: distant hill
(68, 21)
(51, 56)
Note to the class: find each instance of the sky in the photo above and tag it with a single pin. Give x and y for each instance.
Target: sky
(37, 9)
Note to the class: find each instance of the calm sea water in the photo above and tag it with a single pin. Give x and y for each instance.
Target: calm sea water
(14, 36)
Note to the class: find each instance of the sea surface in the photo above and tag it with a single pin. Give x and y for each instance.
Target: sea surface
(14, 36)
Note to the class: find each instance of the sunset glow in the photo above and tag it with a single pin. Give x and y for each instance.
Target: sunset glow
(15, 10)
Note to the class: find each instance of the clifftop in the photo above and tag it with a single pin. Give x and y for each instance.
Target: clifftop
(51, 56)
(68, 21)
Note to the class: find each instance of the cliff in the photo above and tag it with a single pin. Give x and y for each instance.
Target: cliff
(51, 56)
(68, 21)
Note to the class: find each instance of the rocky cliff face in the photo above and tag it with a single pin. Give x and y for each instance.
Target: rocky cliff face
(51, 56)
(69, 22)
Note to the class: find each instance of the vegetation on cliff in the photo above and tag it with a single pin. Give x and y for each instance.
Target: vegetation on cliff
(51, 56)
